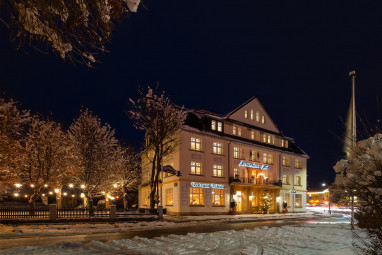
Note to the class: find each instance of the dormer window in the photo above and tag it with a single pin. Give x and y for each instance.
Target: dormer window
(246, 114)
(262, 119)
(213, 124)
(251, 114)
(220, 126)
(257, 116)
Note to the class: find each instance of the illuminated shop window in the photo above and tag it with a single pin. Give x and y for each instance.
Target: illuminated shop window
(196, 168)
(196, 144)
(218, 197)
(196, 196)
(217, 148)
(169, 196)
(298, 201)
(217, 171)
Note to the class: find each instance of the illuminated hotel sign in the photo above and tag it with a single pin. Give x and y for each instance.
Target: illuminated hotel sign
(206, 185)
(253, 165)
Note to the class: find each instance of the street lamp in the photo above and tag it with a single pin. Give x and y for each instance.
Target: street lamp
(324, 184)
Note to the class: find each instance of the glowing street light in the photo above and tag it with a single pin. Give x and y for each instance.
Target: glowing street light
(16, 194)
(50, 193)
(82, 195)
(324, 184)
(65, 194)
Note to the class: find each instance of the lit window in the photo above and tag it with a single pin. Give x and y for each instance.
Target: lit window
(246, 114)
(262, 119)
(285, 161)
(297, 180)
(253, 135)
(242, 154)
(273, 139)
(196, 196)
(258, 136)
(265, 158)
(282, 142)
(269, 139)
(239, 131)
(254, 155)
(286, 199)
(169, 196)
(217, 171)
(196, 168)
(196, 144)
(286, 144)
(257, 116)
(298, 200)
(264, 138)
(285, 179)
(235, 173)
(218, 197)
(297, 163)
(270, 159)
(220, 126)
(217, 148)
(234, 130)
(236, 152)
(251, 114)
(213, 124)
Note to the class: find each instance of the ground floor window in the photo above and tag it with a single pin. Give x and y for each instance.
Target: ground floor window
(196, 196)
(217, 196)
(286, 199)
(298, 200)
(169, 196)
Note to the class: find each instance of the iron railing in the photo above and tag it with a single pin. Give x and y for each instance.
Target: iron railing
(24, 212)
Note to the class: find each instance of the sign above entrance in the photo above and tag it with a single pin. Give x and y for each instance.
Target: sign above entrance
(207, 185)
(293, 191)
(254, 165)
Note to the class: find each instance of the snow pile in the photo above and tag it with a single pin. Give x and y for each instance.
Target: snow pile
(316, 239)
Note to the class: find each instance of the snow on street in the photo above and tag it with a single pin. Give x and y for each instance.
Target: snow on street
(308, 239)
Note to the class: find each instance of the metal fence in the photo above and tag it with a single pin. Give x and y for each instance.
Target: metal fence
(24, 212)
(81, 212)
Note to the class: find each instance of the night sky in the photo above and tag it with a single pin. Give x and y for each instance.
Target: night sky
(294, 55)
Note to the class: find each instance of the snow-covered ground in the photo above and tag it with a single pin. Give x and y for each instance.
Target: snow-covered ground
(310, 239)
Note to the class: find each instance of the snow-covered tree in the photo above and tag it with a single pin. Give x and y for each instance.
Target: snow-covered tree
(93, 149)
(13, 123)
(155, 114)
(126, 172)
(362, 177)
(77, 30)
(45, 157)
(265, 203)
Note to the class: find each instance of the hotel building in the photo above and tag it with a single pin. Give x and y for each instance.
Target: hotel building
(240, 156)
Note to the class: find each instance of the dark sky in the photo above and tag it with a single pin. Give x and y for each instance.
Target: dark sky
(294, 55)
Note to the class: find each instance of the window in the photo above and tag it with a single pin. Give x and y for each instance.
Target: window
(258, 136)
(235, 152)
(169, 196)
(286, 199)
(298, 201)
(218, 197)
(297, 163)
(213, 124)
(273, 139)
(196, 196)
(217, 148)
(262, 119)
(257, 116)
(217, 171)
(297, 180)
(251, 114)
(264, 138)
(269, 139)
(234, 130)
(196, 144)
(285, 161)
(239, 131)
(265, 158)
(282, 142)
(285, 179)
(253, 135)
(254, 155)
(286, 144)
(270, 159)
(246, 114)
(242, 154)
(196, 168)
(235, 173)
(220, 126)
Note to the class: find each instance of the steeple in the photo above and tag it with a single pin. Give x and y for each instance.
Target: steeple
(351, 124)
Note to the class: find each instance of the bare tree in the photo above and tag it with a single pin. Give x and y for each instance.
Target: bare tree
(45, 159)
(13, 124)
(75, 29)
(93, 149)
(126, 172)
(155, 114)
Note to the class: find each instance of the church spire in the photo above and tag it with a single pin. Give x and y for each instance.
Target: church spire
(351, 124)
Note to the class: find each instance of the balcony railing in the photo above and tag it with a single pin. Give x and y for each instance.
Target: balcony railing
(254, 181)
